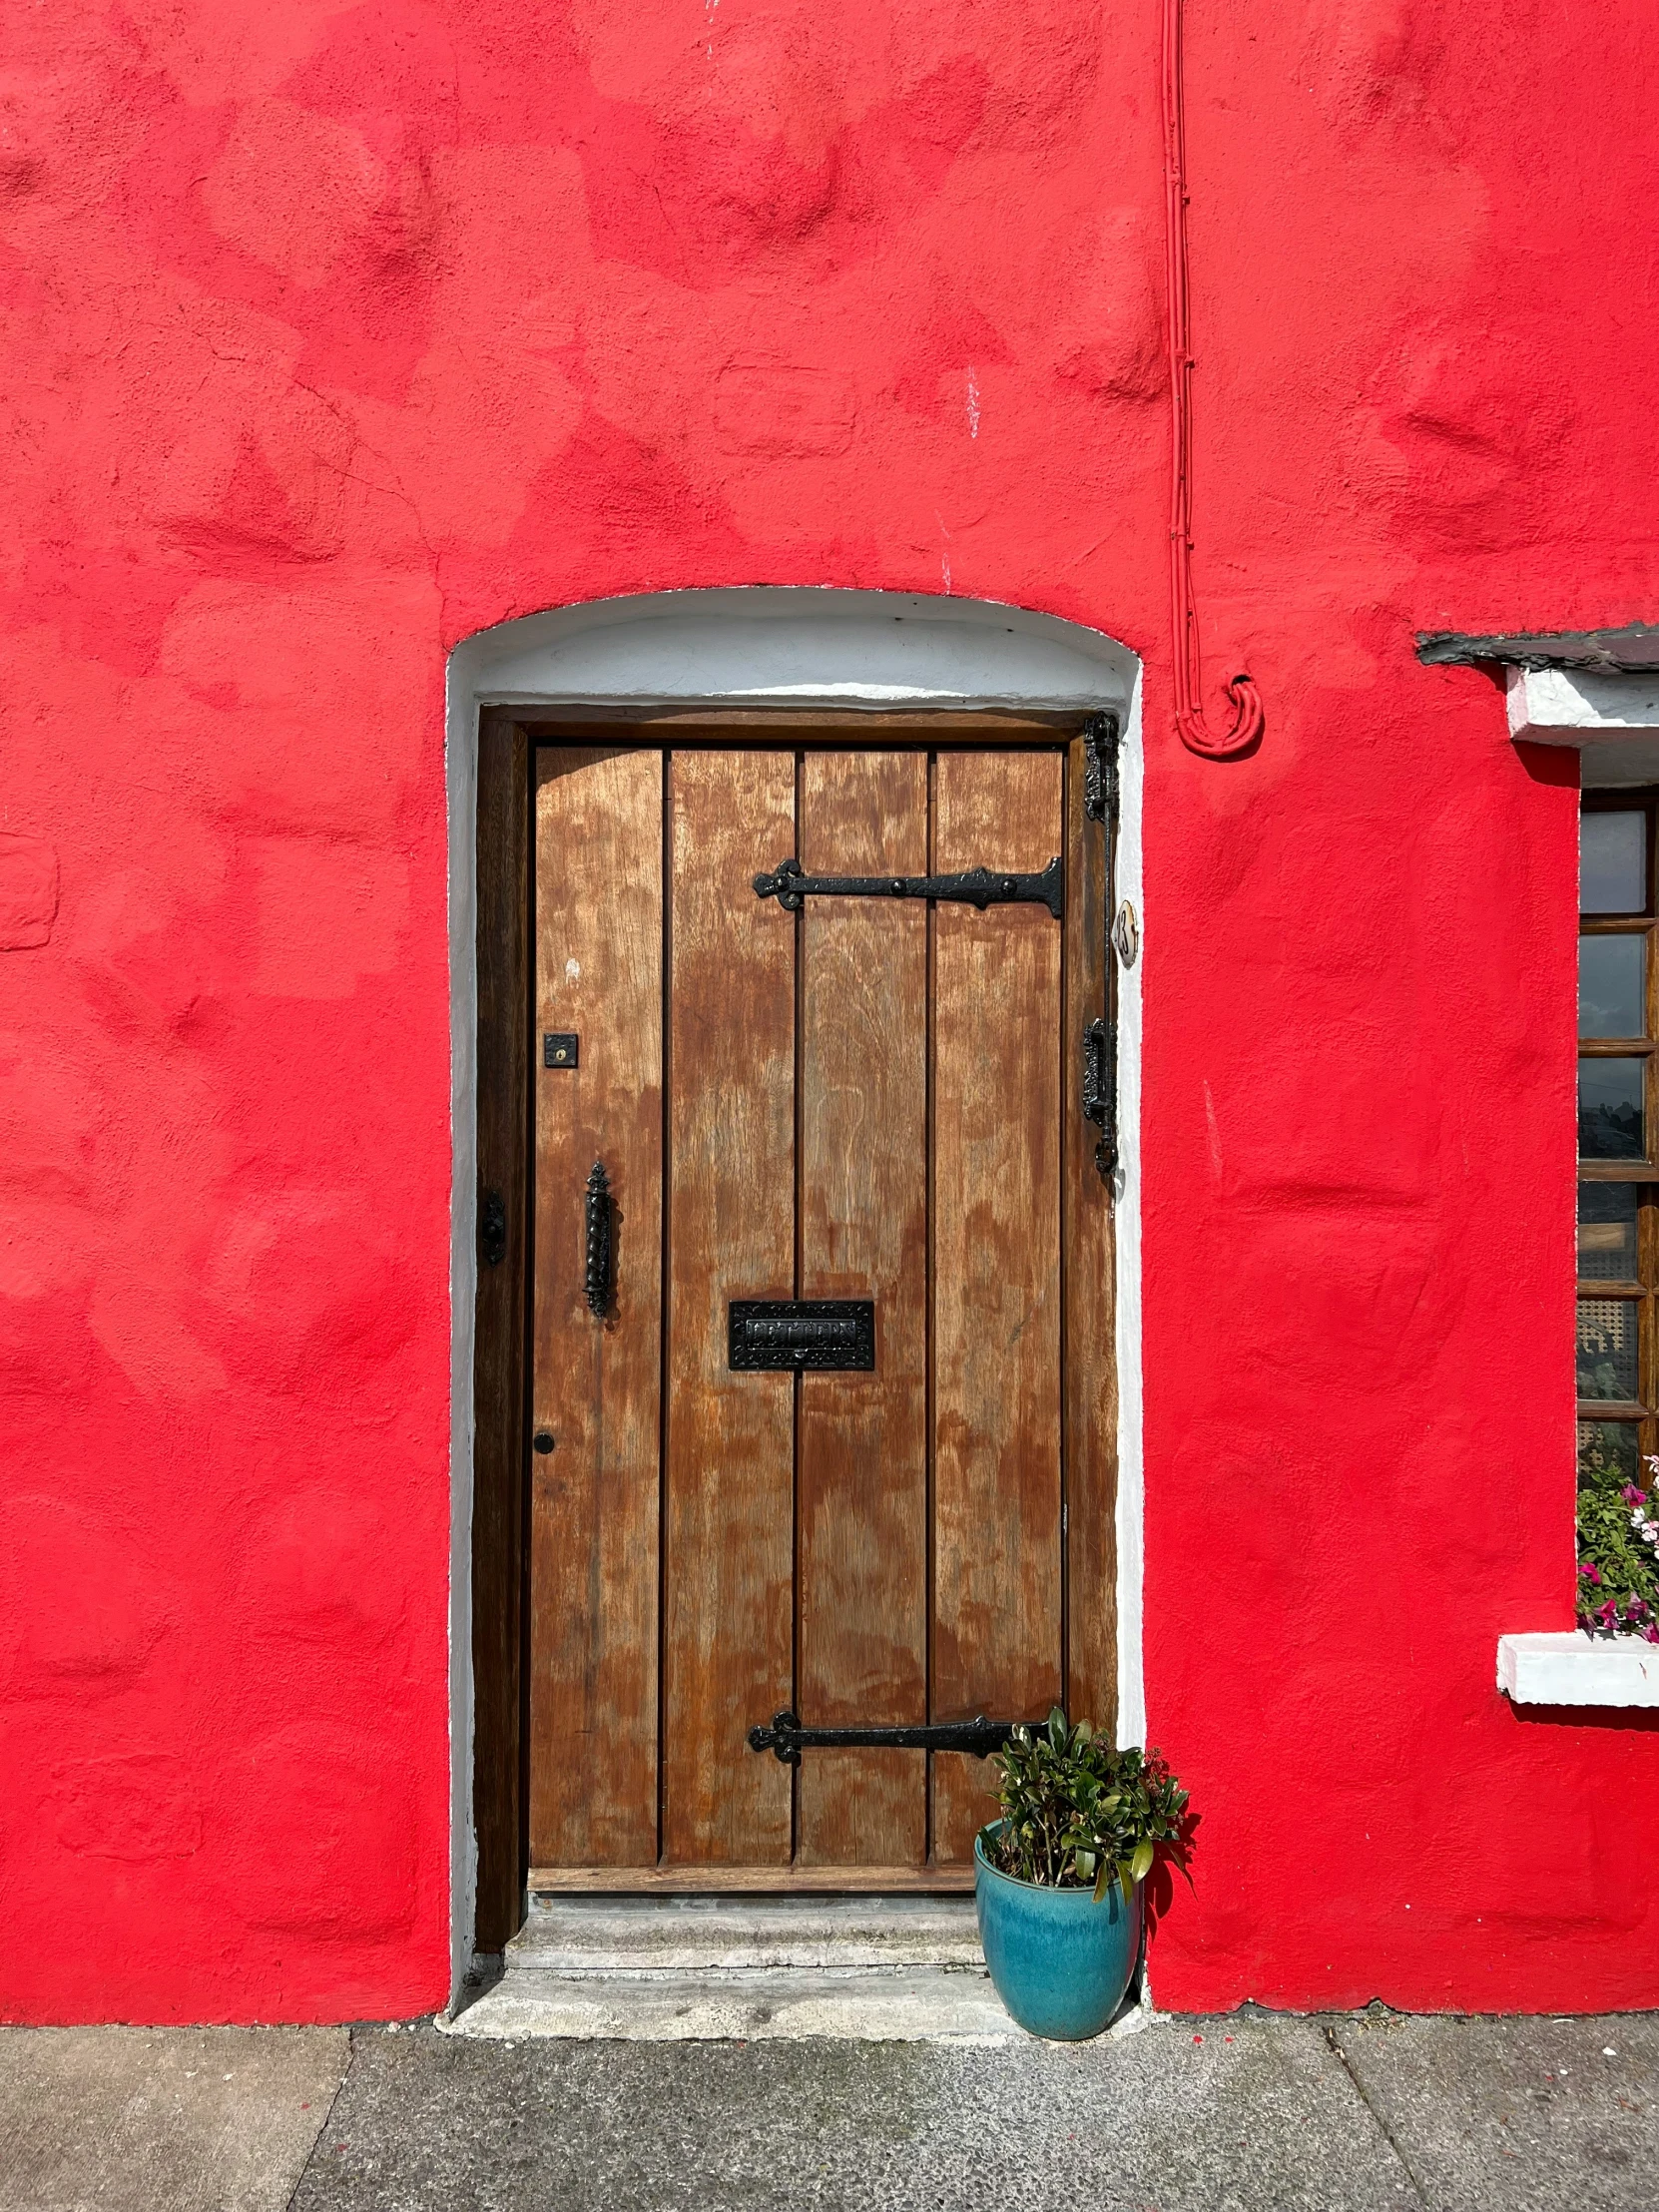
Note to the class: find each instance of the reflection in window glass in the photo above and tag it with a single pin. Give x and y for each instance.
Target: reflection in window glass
(1612, 863)
(1612, 986)
(1610, 1119)
(1607, 1348)
(1608, 1447)
(1607, 1233)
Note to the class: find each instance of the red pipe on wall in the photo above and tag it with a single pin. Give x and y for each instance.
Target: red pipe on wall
(1247, 722)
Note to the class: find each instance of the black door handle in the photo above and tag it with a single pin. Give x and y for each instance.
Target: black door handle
(599, 1242)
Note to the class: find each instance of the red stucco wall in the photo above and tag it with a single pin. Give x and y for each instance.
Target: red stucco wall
(338, 333)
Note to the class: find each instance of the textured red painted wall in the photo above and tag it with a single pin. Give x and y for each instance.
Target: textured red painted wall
(338, 333)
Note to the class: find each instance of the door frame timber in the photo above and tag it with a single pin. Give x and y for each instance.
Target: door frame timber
(506, 941)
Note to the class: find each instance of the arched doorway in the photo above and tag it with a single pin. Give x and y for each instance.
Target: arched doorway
(830, 1114)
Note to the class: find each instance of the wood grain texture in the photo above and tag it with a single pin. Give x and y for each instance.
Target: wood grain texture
(730, 1474)
(996, 1274)
(863, 1444)
(499, 1439)
(595, 1498)
(812, 1881)
(1090, 1443)
(789, 1518)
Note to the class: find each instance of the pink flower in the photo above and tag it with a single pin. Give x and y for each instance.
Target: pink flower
(1588, 1570)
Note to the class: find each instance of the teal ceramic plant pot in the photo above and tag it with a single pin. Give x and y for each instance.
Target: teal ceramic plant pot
(1059, 1961)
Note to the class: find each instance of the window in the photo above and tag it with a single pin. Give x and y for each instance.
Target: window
(1618, 1122)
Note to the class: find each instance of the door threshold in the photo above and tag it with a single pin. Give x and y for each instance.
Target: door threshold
(682, 1968)
(752, 1880)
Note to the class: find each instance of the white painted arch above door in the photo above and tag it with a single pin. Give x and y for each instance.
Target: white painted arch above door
(793, 645)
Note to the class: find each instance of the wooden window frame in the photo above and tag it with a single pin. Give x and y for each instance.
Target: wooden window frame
(1642, 1292)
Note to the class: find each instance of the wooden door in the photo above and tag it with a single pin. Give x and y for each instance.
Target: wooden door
(871, 1098)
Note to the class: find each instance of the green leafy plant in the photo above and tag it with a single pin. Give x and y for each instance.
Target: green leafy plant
(1077, 1814)
(1618, 1553)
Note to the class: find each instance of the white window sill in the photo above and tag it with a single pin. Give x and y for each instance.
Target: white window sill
(1566, 1667)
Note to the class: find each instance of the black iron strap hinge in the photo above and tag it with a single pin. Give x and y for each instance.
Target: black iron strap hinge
(974, 886)
(1100, 1036)
(1100, 768)
(787, 1739)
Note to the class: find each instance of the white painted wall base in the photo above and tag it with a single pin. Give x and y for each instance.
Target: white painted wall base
(1566, 1667)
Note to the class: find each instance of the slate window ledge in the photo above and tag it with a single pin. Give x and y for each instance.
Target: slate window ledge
(1566, 1667)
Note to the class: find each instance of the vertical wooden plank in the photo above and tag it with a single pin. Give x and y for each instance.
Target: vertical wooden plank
(862, 1448)
(1090, 1288)
(499, 1441)
(731, 1474)
(597, 1383)
(996, 1274)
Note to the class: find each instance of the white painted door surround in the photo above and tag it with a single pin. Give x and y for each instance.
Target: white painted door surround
(758, 647)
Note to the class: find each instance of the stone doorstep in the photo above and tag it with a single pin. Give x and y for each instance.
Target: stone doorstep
(748, 1969)
(595, 1936)
(876, 2004)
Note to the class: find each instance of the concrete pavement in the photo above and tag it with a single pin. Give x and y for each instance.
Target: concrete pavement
(180, 2119)
(1247, 2113)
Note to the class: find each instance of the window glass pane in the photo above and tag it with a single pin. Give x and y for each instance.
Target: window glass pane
(1612, 863)
(1612, 986)
(1608, 1447)
(1610, 1119)
(1607, 1233)
(1607, 1348)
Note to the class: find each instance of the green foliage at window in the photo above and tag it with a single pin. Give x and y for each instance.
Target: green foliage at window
(1618, 1552)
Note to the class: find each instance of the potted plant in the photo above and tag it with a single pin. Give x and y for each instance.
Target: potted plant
(1057, 1880)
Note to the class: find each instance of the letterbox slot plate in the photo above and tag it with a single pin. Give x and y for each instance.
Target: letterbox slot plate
(792, 1336)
